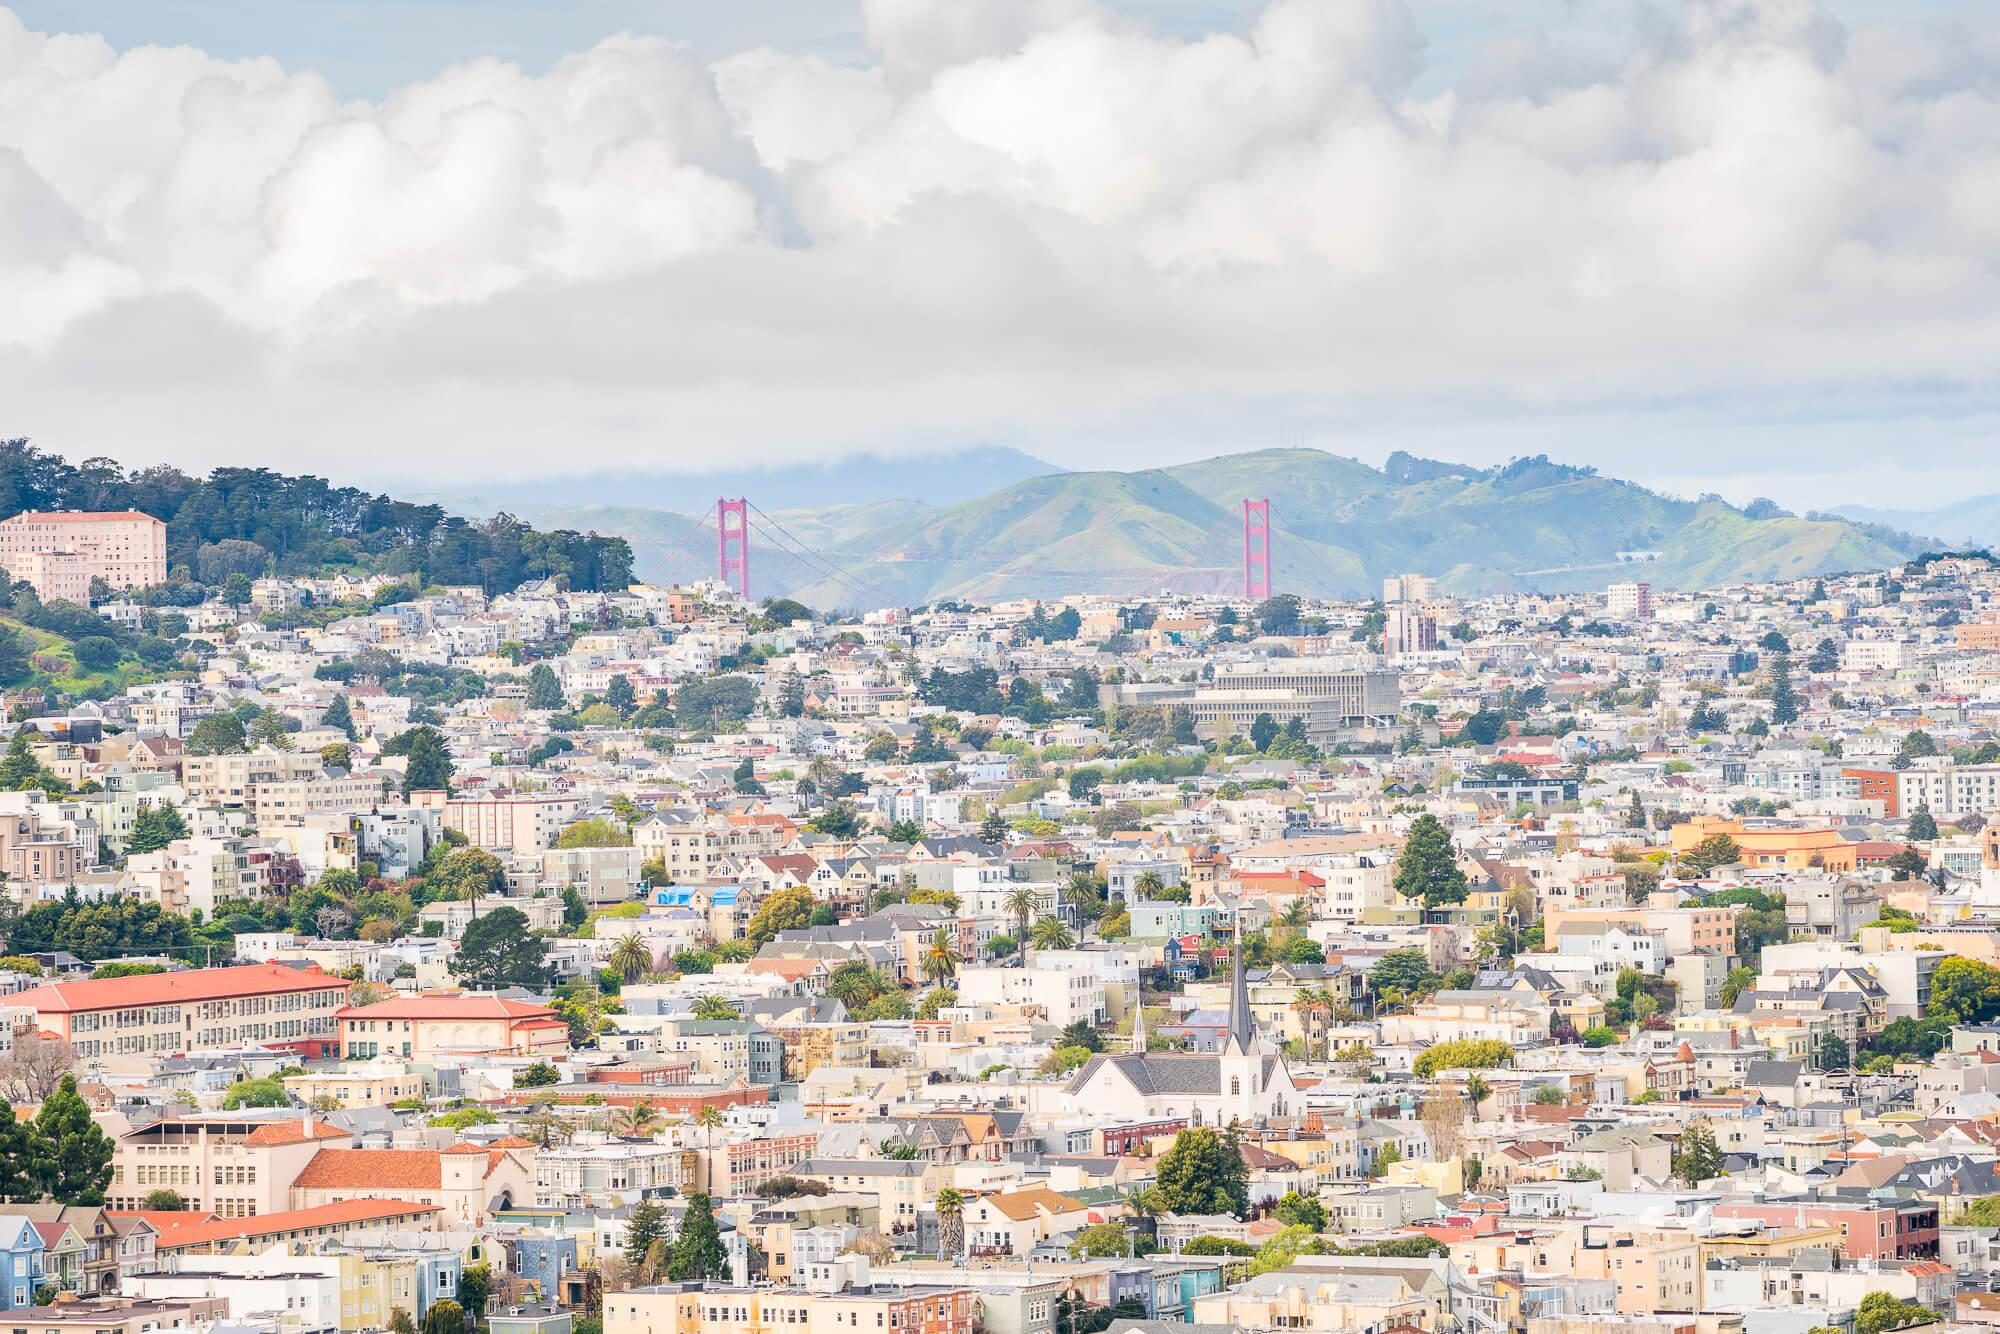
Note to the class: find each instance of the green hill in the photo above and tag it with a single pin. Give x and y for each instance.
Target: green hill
(1341, 527)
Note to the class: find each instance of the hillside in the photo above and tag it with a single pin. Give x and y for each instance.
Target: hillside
(1974, 521)
(1342, 526)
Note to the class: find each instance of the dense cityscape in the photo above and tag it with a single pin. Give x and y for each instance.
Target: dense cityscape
(406, 955)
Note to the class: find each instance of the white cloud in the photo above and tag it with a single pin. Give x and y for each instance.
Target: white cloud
(1031, 220)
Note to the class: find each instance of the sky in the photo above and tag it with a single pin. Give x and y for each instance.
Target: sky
(1742, 246)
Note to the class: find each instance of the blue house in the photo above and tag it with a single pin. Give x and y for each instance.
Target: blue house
(543, 1260)
(21, 1250)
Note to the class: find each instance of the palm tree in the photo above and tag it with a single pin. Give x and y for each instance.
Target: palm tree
(940, 962)
(824, 775)
(632, 959)
(1149, 884)
(1476, 1089)
(1051, 934)
(713, 1007)
(1081, 896)
(1312, 1004)
(852, 984)
(951, 1223)
(708, 1117)
(1296, 917)
(1021, 903)
(638, 1120)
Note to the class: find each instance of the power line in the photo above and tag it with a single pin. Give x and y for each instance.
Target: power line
(853, 582)
(1305, 545)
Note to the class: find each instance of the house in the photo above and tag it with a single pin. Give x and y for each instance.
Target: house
(426, 1028)
(464, 1181)
(1015, 1222)
(21, 1273)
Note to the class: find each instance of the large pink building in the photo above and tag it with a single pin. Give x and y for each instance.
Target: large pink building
(61, 552)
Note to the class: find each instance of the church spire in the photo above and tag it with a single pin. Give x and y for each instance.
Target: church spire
(1242, 1027)
(1139, 1022)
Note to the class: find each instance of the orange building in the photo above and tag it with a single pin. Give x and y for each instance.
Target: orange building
(1794, 847)
(1880, 785)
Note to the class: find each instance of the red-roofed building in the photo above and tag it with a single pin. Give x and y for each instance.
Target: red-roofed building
(464, 1180)
(424, 1028)
(232, 1165)
(211, 1009)
(203, 1234)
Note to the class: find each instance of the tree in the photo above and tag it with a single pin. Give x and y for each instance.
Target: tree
(1405, 972)
(1427, 868)
(620, 696)
(1050, 933)
(786, 910)
(993, 829)
(265, 1092)
(1101, 1241)
(400, 1322)
(1834, 1053)
(1296, 1210)
(68, 1156)
(1278, 615)
(1784, 700)
(544, 690)
(598, 832)
(1923, 825)
(940, 961)
(1021, 905)
(951, 1222)
(633, 958)
(1696, 1157)
(1203, 1173)
(1734, 985)
(698, 1252)
(17, 1182)
(1909, 864)
(539, 1075)
(1964, 991)
(338, 715)
(646, 1225)
(429, 762)
(1462, 1054)
(475, 1283)
(444, 1317)
(1825, 657)
(467, 875)
(154, 827)
(217, 734)
(1713, 851)
(1263, 731)
(1879, 1312)
(498, 950)
(714, 1008)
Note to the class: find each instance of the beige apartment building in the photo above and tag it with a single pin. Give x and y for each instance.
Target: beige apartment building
(521, 826)
(291, 801)
(61, 553)
(231, 1165)
(228, 780)
(673, 1309)
(199, 1010)
(1654, 1271)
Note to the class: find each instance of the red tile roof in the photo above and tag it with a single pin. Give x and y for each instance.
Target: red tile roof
(113, 993)
(447, 1007)
(292, 1132)
(372, 1169)
(203, 1230)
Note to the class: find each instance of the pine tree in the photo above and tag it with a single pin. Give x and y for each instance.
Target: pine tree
(646, 1226)
(337, 715)
(993, 829)
(1427, 869)
(69, 1156)
(1697, 1158)
(154, 828)
(620, 696)
(1923, 825)
(19, 766)
(698, 1249)
(544, 691)
(1635, 814)
(1784, 700)
(429, 763)
(16, 1182)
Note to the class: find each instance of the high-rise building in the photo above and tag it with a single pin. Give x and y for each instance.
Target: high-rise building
(1629, 602)
(1408, 588)
(60, 553)
(1408, 631)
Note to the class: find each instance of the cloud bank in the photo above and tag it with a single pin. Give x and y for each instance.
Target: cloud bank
(1025, 221)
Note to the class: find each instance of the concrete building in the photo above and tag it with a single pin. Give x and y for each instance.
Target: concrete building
(160, 1014)
(124, 548)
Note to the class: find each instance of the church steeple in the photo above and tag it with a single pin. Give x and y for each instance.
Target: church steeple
(1242, 1025)
(1139, 1023)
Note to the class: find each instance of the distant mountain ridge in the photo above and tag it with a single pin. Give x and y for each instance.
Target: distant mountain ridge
(1341, 527)
(1975, 520)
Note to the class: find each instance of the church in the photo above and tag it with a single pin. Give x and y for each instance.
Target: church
(1244, 1082)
